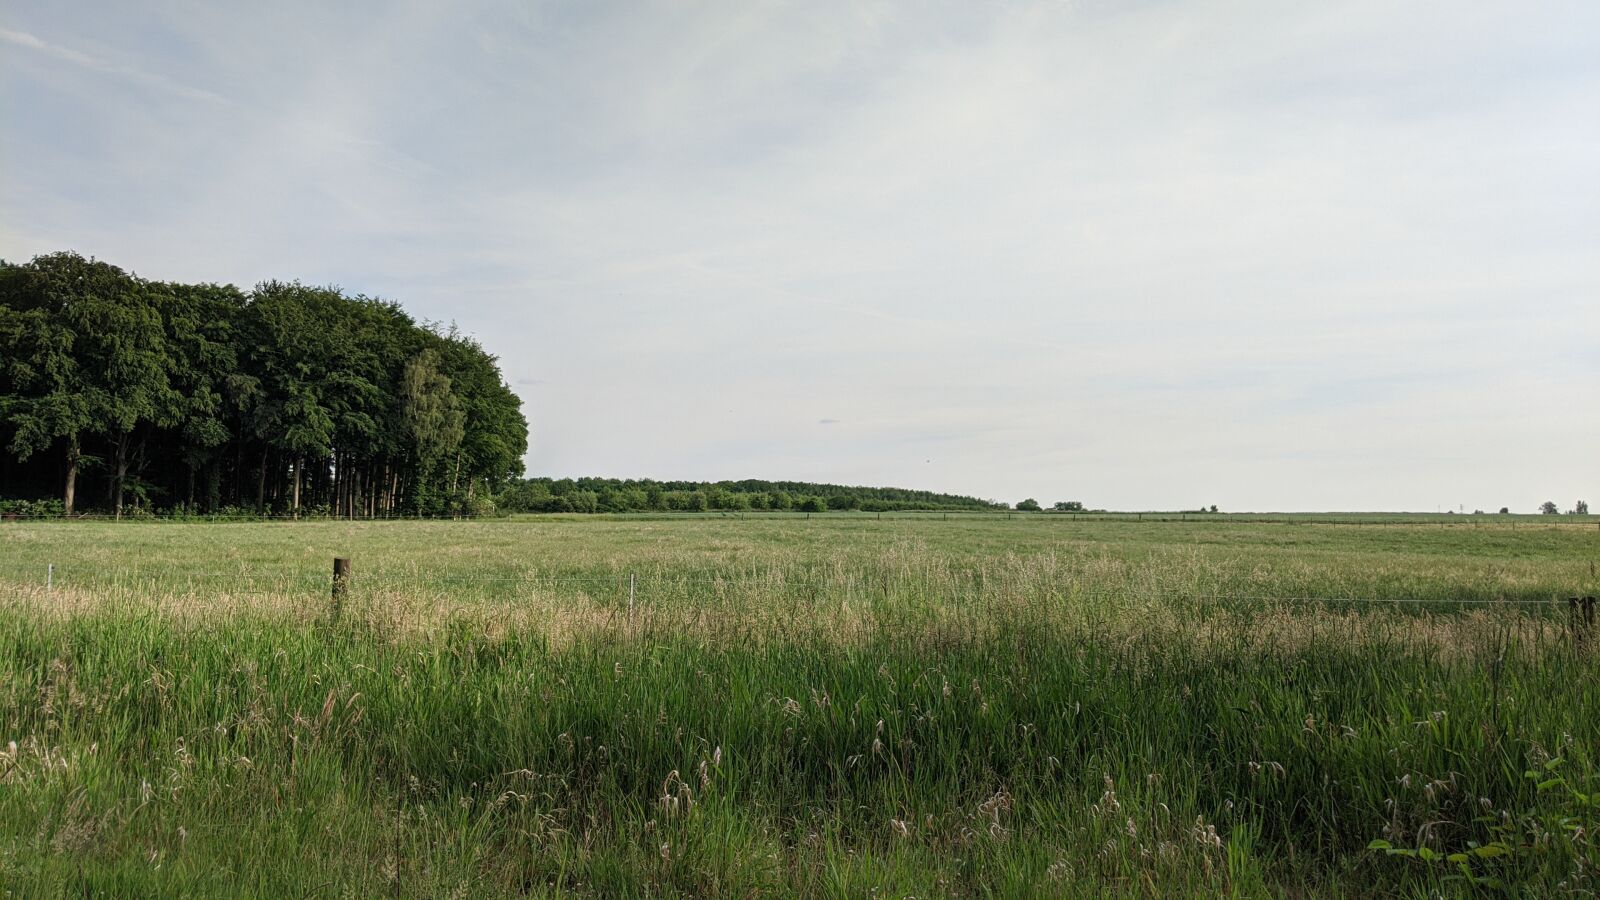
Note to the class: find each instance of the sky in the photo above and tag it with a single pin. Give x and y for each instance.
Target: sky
(1143, 255)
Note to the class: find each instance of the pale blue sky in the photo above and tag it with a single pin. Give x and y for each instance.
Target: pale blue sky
(1144, 255)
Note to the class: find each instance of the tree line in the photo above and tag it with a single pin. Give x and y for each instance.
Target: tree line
(126, 394)
(594, 495)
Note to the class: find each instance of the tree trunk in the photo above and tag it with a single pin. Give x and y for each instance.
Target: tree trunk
(138, 464)
(121, 475)
(299, 466)
(213, 486)
(261, 484)
(71, 491)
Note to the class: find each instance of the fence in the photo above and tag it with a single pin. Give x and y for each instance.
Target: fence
(624, 589)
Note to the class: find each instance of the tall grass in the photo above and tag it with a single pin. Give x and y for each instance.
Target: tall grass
(833, 712)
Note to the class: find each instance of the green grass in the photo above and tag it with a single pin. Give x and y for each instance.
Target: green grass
(842, 706)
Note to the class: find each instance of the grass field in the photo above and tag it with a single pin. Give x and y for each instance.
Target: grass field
(837, 706)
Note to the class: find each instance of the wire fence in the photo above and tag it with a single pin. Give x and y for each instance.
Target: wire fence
(637, 585)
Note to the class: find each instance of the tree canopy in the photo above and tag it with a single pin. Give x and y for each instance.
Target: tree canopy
(640, 495)
(285, 399)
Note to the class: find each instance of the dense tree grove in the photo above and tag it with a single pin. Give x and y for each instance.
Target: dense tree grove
(628, 495)
(128, 395)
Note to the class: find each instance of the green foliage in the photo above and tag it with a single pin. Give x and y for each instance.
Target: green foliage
(289, 398)
(644, 495)
(1558, 829)
(32, 509)
(85, 356)
(433, 418)
(1028, 505)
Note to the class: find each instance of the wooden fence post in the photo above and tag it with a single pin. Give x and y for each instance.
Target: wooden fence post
(341, 582)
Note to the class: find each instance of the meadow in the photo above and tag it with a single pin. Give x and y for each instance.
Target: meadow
(843, 705)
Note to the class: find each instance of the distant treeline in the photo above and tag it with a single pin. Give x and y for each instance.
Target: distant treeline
(589, 495)
(119, 393)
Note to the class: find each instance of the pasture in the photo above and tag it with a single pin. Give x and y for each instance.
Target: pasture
(843, 705)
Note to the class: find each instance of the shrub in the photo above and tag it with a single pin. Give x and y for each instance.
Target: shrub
(32, 509)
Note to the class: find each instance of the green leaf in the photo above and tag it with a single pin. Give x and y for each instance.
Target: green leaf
(1380, 844)
(1489, 851)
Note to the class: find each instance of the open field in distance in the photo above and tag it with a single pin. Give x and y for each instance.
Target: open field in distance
(837, 706)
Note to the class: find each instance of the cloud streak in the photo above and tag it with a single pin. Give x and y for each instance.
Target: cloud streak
(140, 76)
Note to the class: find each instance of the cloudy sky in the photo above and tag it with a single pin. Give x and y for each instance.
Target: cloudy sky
(1144, 255)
